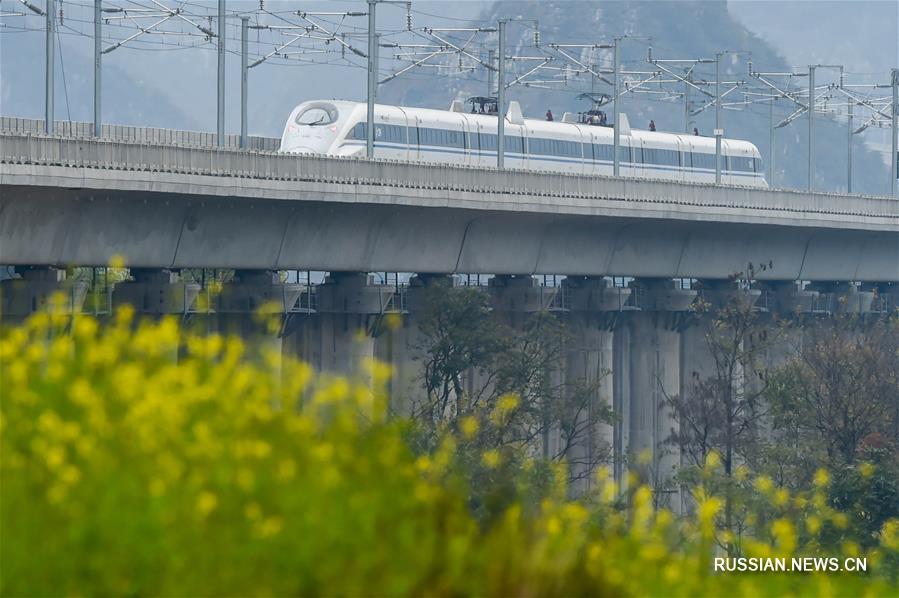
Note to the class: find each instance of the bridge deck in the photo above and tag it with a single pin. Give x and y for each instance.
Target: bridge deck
(416, 216)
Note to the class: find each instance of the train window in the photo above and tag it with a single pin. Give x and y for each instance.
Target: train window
(638, 155)
(357, 132)
(602, 152)
(317, 114)
(702, 160)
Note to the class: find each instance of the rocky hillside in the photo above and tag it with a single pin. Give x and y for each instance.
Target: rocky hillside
(676, 30)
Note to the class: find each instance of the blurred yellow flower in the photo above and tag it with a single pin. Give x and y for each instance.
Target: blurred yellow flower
(491, 458)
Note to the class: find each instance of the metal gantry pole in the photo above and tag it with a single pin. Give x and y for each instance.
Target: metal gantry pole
(894, 168)
(491, 58)
(771, 132)
(50, 33)
(372, 83)
(377, 62)
(811, 127)
(616, 125)
(501, 98)
(220, 112)
(98, 53)
(849, 149)
(244, 34)
(718, 131)
(687, 103)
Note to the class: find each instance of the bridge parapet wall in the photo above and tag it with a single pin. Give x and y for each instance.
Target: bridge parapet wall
(132, 134)
(428, 184)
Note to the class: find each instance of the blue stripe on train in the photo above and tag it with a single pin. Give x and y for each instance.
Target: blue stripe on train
(541, 158)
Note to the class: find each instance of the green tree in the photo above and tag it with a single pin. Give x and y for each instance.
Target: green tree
(473, 366)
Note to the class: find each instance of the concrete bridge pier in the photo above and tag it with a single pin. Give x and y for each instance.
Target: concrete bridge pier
(593, 308)
(155, 293)
(698, 362)
(402, 345)
(516, 298)
(39, 289)
(349, 316)
(654, 368)
(255, 306)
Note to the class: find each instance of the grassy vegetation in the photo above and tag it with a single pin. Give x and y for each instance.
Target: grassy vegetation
(143, 459)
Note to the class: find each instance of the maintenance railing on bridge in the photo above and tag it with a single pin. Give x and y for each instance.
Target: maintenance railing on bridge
(132, 134)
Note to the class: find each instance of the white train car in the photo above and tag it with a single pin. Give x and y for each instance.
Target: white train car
(338, 128)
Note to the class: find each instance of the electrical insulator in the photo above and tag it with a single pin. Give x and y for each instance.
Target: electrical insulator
(536, 38)
(261, 4)
(409, 16)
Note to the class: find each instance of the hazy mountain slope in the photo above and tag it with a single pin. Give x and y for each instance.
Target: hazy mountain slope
(127, 98)
(679, 29)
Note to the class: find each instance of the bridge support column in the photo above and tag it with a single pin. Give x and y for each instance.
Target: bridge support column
(701, 338)
(654, 377)
(516, 298)
(40, 289)
(156, 293)
(593, 309)
(403, 346)
(256, 306)
(350, 316)
(698, 363)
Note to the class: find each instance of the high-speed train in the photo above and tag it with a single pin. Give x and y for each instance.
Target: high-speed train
(338, 128)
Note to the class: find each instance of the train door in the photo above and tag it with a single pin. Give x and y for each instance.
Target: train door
(681, 157)
(403, 136)
(727, 177)
(466, 124)
(636, 158)
(524, 136)
(415, 138)
(584, 152)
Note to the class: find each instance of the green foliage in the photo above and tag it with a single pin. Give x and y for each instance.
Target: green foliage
(474, 364)
(138, 459)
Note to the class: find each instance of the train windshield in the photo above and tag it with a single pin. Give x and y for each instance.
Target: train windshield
(317, 114)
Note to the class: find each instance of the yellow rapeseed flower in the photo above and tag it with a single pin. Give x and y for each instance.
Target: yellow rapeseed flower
(206, 503)
(469, 426)
(764, 484)
(491, 458)
(867, 469)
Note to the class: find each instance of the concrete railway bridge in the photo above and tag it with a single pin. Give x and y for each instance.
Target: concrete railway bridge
(634, 254)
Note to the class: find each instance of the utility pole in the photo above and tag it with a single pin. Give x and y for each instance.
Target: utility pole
(811, 127)
(244, 33)
(491, 58)
(372, 82)
(616, 125)
(894, 158)
(98, 52)
(220, 112)
(501, 98)
(718, 131)
(50, 34)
